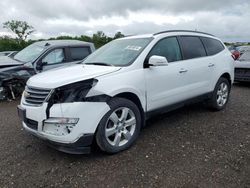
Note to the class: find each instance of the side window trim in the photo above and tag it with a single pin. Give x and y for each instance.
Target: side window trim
(181, 49)
(67, 54)
(203, 46)
(147, 56)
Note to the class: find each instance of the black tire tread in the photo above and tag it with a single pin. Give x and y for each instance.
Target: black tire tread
(212, 103)
(100, 138)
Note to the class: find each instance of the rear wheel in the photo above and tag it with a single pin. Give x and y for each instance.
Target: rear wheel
(220, 95)
(120, 127)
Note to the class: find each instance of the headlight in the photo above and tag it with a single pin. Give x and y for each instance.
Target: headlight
(75, 92)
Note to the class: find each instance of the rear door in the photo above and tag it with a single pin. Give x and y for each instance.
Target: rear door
(196, 66)
(216, 61)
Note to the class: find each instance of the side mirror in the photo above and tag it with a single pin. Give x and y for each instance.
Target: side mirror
(40, 65)
(156, 60)
(44, 63)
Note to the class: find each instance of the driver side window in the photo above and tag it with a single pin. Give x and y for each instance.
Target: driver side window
(54, 57)
(169, 48)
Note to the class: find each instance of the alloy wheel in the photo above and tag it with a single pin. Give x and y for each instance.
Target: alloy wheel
(120, 126)
(222, 94)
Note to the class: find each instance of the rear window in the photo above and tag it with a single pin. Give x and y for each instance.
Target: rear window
(79, 53)
(192, 47)
(212, 46)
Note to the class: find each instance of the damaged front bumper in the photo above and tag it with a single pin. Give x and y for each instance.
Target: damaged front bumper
(70, 127)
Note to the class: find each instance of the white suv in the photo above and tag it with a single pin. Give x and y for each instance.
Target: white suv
(109, 96)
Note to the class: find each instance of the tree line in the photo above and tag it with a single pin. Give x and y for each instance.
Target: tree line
(22, 30)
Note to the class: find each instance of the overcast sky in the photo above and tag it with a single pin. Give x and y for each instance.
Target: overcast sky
(227, 19)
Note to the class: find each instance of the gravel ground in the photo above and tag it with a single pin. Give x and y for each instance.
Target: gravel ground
(190, 147)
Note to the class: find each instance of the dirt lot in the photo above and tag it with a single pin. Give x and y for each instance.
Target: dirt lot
(190, 147)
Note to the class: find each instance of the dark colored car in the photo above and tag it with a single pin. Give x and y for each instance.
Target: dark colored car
(38, 57)
(242, 68)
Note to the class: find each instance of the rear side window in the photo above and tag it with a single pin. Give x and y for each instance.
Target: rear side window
(79, 53)
(192, 47)
(169, 48)
(212, 46)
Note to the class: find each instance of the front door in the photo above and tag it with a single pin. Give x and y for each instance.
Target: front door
(165, 84)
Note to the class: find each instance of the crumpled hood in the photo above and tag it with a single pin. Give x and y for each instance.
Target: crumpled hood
(6, 61)
(66, 75)
(242, 64)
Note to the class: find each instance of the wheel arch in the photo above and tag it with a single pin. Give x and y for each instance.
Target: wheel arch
(135, 99)
(227, 76)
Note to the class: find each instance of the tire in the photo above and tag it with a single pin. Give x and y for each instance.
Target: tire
(220, 95)
(120, 127)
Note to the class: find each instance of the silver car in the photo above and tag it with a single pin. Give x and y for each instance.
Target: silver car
(242, 68)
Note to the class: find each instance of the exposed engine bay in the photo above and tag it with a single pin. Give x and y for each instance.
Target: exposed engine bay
(12, 84)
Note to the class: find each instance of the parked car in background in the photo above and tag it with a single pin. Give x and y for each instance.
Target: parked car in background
(243, 49)
(234, 51)
(236, 54)
(110, 95)
(12, 54)
(38, 57)
(8, 53)
(242, 68)
(232, 48)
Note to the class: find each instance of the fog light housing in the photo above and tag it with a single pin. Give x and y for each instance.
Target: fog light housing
(59, 126)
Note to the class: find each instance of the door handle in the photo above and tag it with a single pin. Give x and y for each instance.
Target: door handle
(211, 65)
(183, 70)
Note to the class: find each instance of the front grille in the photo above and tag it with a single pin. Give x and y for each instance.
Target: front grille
(35, 96)
(31, 124)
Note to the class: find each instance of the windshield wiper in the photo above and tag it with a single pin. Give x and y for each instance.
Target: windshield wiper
(99, 63)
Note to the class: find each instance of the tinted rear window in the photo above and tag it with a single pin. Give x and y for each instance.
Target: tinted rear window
(79, 53)
(192, 47)
(212, 46)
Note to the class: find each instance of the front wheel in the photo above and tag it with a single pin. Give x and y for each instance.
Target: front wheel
(120, 127)
(220, 95)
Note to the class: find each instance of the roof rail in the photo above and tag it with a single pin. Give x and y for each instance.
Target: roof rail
(170, 31)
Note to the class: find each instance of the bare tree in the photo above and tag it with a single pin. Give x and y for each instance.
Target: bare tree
(21, 28)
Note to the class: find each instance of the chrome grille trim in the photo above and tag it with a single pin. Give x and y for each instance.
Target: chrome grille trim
(35, 96)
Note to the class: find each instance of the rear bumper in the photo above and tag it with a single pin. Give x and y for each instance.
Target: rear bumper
(242, 74)
(242, 78)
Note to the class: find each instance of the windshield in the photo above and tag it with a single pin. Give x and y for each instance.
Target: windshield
(118, 52)
(29, 53)
(245, 56)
